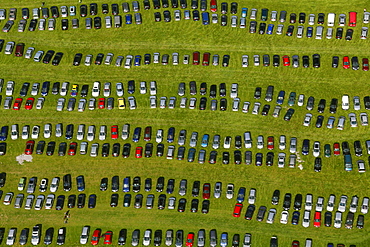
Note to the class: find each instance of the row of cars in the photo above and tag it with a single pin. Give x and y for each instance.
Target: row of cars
(341, 121)
(34, 237)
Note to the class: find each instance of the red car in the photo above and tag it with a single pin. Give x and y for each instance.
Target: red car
(108, 237)
(336, 148)
(29, 147)
(286, 60)
(270, 142)
(95, 237)
(206, 56)
(213, 5)
(206, 190)
(139, 152)
(365, 64)
(317, 219)
(114, 132)
(346, 64)
(101, 103)
(295, 243)
(72, 148)
(17, 103)
(237, 209)
(148, 134)
(190, 239)
(196, 56)
(29, 103)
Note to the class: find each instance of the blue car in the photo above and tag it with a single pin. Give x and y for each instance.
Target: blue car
(241, 195)
(191, 154)
(280, 98)
(80, 183)
(309, 32)
(137, 60)
(270, 29)
(69, 131)
(295, 218)
(126, 184)
(4, 133)
(171, 135)
(128, 19)
(205, 140)
(244, 12)
(136, 135)
(45, 88)
(170, 186)
(305, 147)
(205, 18)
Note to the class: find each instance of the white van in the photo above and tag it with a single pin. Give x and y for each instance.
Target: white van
(247, 139)
(345, 102)
(331, 19)
(108, 22)
(35, 13)
(117, 21)
(329, 33)
(11, 236)
(94, 150)
(170, 152)
(319, 32)
(128, 61)
(51, 24)
(84, 235)
(153, 88)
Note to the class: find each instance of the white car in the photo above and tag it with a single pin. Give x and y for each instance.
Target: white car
(260, 142)
(306, 219)
(29, 202)
(96, 89)
(102, 132)
(183, 102)
(364, 119)
(60, 104)
(342, 20)
(281, 160)
(214, 18)
(35, 132)
(29, 52)
(25, 132)
(9, 88)
(39, 202)
(230, 191)
(47, 130)
(162, 102)
(316, 149)
(35, 88)
(319, 204)
(341, 122)
(128, 61)
(147, 237)
(216, 142)
(234, 90)
(331, 201)
(193, 139)
(153, 102)
(354, 204)
(284, 217)
(352, 119)
(64, 89)
(106, 91)
(10, 240)
(8, 198)
(236, 104)
(271, 216)
(307, 120)
(365, 205)
(119, 89)
(245, 61)
(252, 196)
(143, 87)
(40, 103)
(88, 60)
(309, 201)
(246, 105)
(49, 201)
(338, 219)
(218, 190)
(282, 142)
(54, 185)
(192, 103)
(227, 142)
(14, 132)
(177, 15)
(159, 136)
(108, 58)
(300, 101)
(64, 11)
(256, 108)
(80, 132)
(356, 103)
(345, 102)
(342, 204)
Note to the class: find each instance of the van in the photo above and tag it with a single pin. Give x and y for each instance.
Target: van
(51, 24)
(39, 202)
(329, 33)
(352, 19)
(282, 16)
(201, 156)
(138, 20)
(153, 88)
(247, 139)
(126, 7)
(149, 201)
(75, 23)
(331, 19)
(91, 133)
(300, 31)
(80, 132)
(309, 200)
(108, 22)
(242, 22)
(170, 152)
(117, 21)
(135, 6)
(88, 23)
(11, 236)
(35, 13)
(345, 102)
(205, 18)
(234, 20)
(85, 235)
(18, 201)
(319, 32)
(348, 162)
(292, 160)
(94, 150)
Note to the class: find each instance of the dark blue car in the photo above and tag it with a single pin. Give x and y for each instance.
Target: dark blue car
(4, 133)
(241, 195)
(128, 19)
(136, 135)
(171, 135)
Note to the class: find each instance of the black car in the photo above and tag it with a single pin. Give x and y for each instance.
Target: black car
(156, 4)
(257, 93)
(136, 184)
(147, 59)
(203, 103)
(55, 88)
(319, 121)
(317, 165)
(62, 148)
(234, 8)
(99, 59)
(64, 24)
(367, 102)
(262, 28)
(50, 148)
(54, 11)
(236, 240)
(115, 9)
(265, 110)
(248, 157)
(71, 201)
(213, 157)
(175, 3)
(148, 150)
(225, 158)
(289, 114)
(48, 239)
(261, 213)
(339, 33)
(328, 219)
(160, 150)
(67, 182)
(306, 61)
(253, 27)
(276, 60)
(293, 18)
(358, 148)
(40, 147)
(57, 58)
(196, 15)
(298, 202)
(225, 61)
(126, 150)
(93, 9)
(105, 150)
(105, 8)
(131, 87)
(157, 238)
(223, 104)
(97, 22)
(81, 200)
(290, 30)
(287, 201)
(321, 106)
(77, 59)
(194, 205)
(165, 4)
(122, 237)
(222, 89)
(48, 56)
(360, 221)
(104, 184)
(310, 103)
(195, 189)
(127, 200)
(355, 63)
(250, 211)
(275, 197)
(84, 90)
(349, 34)
(238, 142)
(24, 89)
(83, 10)
(167, 16)
(345, 148)
(92, 201)
(2, 148)
(270, 159)
(182, 205)
(114, 200)
(181, 153)
(60, 202)
(333, 106)
(61, 236)
(69, 131)
(2, 179)
(161, 201)
(237, 157)
(213, 91)
(148, 184)
(335, 62)
(205, 206)
(116, 149)
(32, 25)
(259, 159)
(115, 183)
(302, 18)
(320, 18)
(316, 60)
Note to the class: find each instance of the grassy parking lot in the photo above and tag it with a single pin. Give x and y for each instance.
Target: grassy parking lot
(185, 37)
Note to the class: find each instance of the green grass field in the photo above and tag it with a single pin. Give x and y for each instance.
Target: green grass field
(185, 37)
